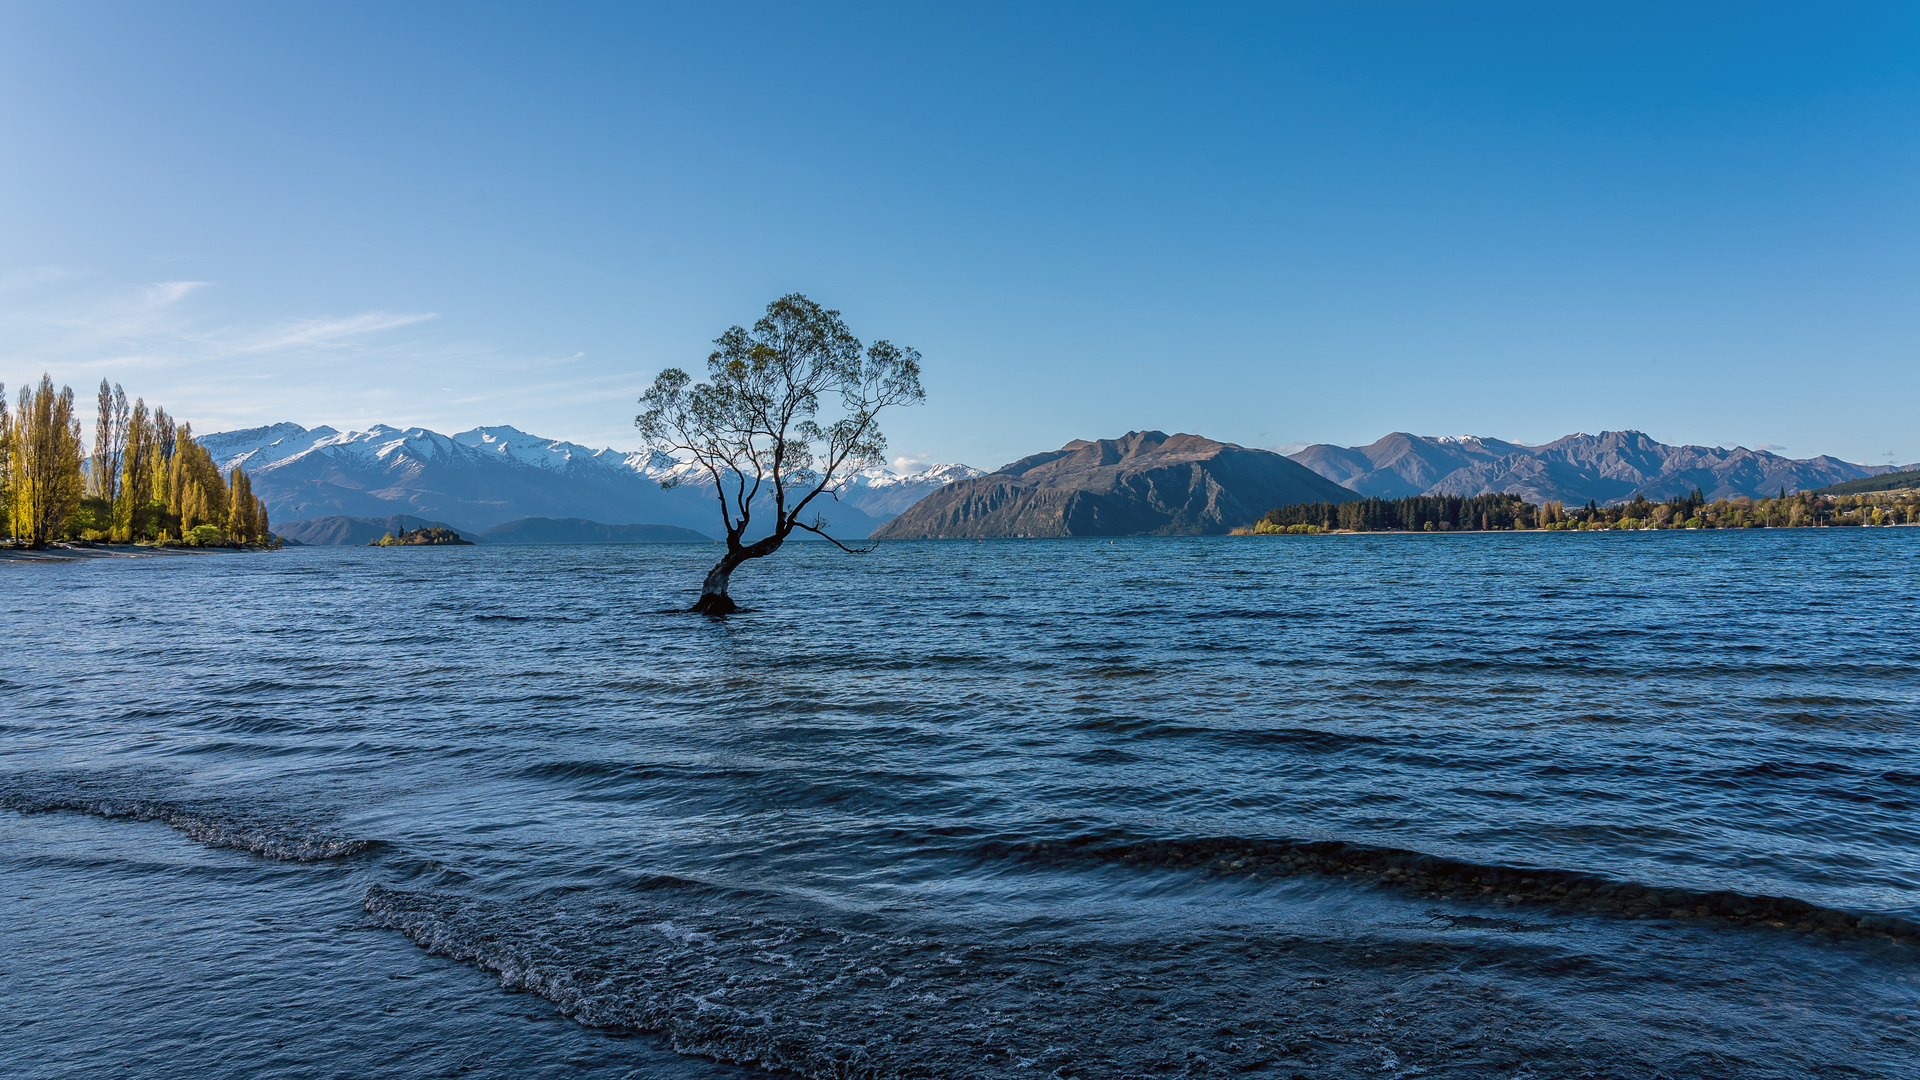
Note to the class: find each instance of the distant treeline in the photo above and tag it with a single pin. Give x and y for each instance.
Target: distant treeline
(1416, 513)
(144, 479)
(1476, 513)
(1868, 484)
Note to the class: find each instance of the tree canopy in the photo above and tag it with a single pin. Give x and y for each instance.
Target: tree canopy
(789, 412)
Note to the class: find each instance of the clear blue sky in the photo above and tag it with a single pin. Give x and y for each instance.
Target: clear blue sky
(1270, 224)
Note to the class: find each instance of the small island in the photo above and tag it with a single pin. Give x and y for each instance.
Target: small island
(421, 538)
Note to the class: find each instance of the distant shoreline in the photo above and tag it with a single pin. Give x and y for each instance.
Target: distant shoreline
(72, 553)
(1249, 533)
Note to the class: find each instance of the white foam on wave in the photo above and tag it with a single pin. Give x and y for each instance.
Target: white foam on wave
(271, 840)
(848, 995)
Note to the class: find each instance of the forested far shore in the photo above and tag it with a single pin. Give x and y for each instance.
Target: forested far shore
(1507, 513)
(144, 479)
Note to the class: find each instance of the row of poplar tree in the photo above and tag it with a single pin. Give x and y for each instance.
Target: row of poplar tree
(144, 479)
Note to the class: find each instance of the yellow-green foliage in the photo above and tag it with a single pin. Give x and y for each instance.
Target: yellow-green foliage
(199, 491)
(246, 515)
(145, 479)
(1264, 527)
(204, 536)
(43, 477)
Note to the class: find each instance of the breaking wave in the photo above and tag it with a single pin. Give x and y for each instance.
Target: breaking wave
(1440, 877)
(829, 993)
(213, 827)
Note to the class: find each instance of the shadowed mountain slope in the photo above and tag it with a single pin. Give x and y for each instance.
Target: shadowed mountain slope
(1144, 483)
(582, 531)
(336, 530)
(1907, 479)
(1608, 468)
(1401, 464)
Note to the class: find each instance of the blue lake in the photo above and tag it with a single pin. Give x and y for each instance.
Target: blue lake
(1020, 808)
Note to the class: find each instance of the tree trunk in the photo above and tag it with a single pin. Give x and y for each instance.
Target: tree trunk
(713, 594)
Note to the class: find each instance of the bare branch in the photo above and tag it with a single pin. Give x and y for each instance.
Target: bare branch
(868, 550)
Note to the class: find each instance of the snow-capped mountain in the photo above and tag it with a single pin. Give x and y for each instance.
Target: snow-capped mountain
(515, 445)
(480, 478)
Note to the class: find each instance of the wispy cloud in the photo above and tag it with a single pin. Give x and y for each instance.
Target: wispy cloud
(170, 342)
(38, 275)
(327, 333)
(164, 293)
(154, 325)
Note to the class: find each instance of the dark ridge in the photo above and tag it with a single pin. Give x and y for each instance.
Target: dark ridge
(339, 530)
(540, 530)
(1143, 483)
(1895, 481)
(1458, 879)
(1611, 468)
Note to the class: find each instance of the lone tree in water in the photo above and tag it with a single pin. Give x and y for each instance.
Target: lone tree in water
(756, 428)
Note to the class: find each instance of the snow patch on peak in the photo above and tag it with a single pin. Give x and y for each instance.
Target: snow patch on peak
(936, 475)
(229, 444)
(256, 448)
(519, 446)
(651, 462)
(384, 455)
(947, 474)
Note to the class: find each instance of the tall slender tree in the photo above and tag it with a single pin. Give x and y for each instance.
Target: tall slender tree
(6, 463)
(165, 440)
(109, 443)
(98, 485)
(241, 507)
(258, 529)
(199, 491)
(136, 475)
(46, 457)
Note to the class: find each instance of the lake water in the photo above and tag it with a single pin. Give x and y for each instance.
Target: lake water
(1628, 805)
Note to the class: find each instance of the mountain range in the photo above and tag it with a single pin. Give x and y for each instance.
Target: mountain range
(1608, 468)
(477, 479)
(1143, 483)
